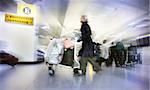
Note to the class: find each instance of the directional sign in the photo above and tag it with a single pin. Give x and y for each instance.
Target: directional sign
(19, 19)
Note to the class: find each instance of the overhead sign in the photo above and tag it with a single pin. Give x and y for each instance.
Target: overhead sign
(26, 9)
(19, 19)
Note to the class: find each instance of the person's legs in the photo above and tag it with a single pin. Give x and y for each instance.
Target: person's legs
(124, 58)
(75, 70)
(50, 69)
(120, 58)
(107, 62)
(95, 65)
(83, 63)
(116, 61)
(111, 58)
(100, 61)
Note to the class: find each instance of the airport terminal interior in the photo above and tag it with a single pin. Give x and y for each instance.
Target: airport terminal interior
(74, 44)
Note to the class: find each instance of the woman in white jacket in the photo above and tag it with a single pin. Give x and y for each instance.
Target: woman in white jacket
(54, 53)
(104, 50)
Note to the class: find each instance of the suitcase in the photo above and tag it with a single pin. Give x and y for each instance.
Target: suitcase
(8, 58)
(68, 57)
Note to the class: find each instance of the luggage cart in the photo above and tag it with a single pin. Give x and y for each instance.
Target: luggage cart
(64, 56)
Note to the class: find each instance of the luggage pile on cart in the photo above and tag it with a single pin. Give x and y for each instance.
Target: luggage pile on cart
(63, 52)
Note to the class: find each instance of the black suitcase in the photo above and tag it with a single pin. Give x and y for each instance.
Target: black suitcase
(68, 58)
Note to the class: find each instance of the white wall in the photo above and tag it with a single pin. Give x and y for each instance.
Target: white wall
(20, 39)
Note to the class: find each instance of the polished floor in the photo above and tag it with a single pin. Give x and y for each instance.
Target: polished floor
(36, 77)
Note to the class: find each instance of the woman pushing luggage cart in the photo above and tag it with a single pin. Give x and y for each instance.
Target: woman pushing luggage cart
(63, 52)
(54, 54)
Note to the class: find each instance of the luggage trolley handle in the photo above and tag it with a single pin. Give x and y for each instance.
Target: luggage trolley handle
(76, 61)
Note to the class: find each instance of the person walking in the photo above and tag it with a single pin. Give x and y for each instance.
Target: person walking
(113, 55)
(104, 54)
(87, 50)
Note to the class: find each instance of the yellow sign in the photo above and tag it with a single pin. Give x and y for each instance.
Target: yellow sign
(26, 10)
(18, 19)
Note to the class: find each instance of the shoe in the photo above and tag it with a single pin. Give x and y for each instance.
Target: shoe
(76, 72)
(79, 74)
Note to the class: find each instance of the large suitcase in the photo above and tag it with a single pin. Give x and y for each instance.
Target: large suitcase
(8, 58)
(68, 57)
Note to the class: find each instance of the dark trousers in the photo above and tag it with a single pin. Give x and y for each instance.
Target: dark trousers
(121, 59)
(101, 60)
(113, 58)
(83, 63)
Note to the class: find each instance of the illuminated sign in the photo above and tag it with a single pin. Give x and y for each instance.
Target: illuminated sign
(26, 10)
(19, 19)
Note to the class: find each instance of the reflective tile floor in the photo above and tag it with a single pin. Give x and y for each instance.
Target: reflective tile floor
(36, 77)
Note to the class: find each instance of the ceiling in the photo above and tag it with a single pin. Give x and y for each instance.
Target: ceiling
(109, 19)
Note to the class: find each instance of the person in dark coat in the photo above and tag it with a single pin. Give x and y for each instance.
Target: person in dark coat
(120, 51)
(87, 50)
(113, 55)
(97, 51)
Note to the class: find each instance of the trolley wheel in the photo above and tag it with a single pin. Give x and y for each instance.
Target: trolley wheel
(51, 72)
